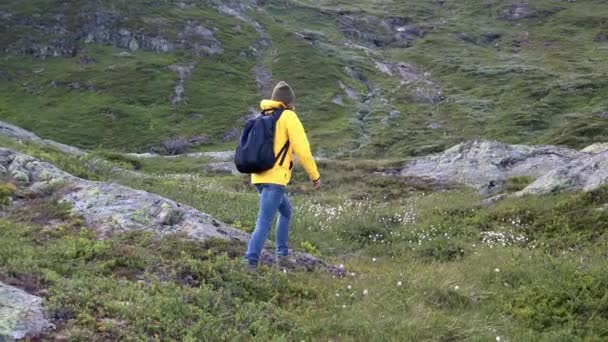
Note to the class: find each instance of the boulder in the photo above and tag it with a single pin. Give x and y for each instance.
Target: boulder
(17, 133)
(224, 167)
(518, 11)
(483, 164)
(596, 148)
(21, 315)
(586, 173)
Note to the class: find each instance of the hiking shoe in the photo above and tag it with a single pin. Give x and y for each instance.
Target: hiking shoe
(251, 268)
(284, 262)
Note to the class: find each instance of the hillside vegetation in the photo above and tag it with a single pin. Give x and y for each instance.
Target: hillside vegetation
(377, 82)
(408, 77)
(421, 265)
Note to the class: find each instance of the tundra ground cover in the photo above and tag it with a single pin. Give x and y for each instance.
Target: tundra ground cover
(421, 265)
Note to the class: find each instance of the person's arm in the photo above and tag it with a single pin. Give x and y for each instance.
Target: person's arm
(299, 142)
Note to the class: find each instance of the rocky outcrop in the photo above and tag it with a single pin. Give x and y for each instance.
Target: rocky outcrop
(20, 134)
(485, 39)
(379, 32)
(483, 164)
(523, 10)
(421, 87)
(518, 11)
(224, 167)
(110, 208)
(199, 39)
(586, 173)
(183, 72)
(219, 155)
(179, 146)
(21, 315)
(66, 37)
(486, 165)
(596, 148)
(93, 163)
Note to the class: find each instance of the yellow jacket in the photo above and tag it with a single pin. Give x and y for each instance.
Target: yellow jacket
(290, 128)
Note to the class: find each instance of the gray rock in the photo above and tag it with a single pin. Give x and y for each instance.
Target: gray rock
(378, 32)
(337, 100)
(263, 79)
(199, 39)
(518, 11)
(491, 200)
(183, 72)
(219, 155)
(184, 5)
(231, 134)
(133, 45)
(5, 15)
(482, 163)
(586, 173)
(21, 315)
(17, 133)
(596, 148)
(392, 115)
(110, 208)
(64, 148)
(20, 177)
(109, 27)
(604, 115)
(350, 92)
(312, 37)
(224, 167)
(422, 88)
(179, 145)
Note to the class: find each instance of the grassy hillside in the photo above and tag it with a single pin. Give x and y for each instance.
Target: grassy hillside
(377, 82)
(422, 265)
(505, 70)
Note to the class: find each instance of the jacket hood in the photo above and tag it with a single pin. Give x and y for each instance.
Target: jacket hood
(271, 104)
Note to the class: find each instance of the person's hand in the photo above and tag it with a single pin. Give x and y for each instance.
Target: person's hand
(317, 184)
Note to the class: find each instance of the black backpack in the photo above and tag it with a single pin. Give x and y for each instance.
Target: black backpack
(255, 151)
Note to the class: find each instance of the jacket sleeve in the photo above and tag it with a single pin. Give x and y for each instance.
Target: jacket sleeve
(299, 142)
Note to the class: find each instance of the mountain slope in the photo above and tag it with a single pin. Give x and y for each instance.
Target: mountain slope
(373, 79)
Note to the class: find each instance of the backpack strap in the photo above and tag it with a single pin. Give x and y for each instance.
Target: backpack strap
(277, 113)
(283, 153)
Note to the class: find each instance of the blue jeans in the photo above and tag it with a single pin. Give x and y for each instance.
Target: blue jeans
(272, 199)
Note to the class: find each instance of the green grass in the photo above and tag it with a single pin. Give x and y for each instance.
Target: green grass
(427, 264)
(432, 265)
(543, 83)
